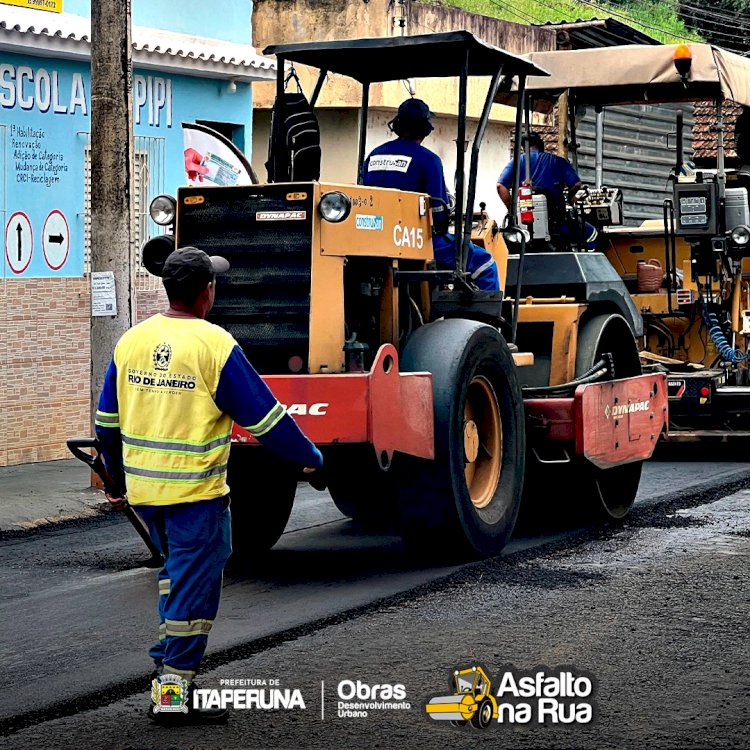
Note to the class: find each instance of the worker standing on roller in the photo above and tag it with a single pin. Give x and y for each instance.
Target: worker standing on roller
(174, 386)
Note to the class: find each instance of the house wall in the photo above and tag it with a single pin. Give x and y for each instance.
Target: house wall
(276, 21)
(45, 110)
(288, 21)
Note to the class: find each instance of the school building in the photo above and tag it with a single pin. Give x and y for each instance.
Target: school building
(190, 64)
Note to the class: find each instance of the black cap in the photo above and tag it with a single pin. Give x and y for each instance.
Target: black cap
(413, 113)
(188, 270)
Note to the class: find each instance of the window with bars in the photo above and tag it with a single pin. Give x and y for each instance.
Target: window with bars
(148, 182)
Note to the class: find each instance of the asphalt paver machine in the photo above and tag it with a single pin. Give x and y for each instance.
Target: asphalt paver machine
(695, 299)
(409, 378)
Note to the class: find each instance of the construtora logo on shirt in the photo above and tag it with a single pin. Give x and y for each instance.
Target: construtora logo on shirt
(388, 163)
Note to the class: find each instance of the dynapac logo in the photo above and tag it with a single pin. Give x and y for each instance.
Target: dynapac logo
(280, 215)
(306, 410)
(620, 410)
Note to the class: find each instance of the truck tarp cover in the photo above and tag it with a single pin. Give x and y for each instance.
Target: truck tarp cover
(636, 73)
(395, 58)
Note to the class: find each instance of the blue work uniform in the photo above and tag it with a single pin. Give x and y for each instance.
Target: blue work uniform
(552, 173)
(407, 165)
(164, 423)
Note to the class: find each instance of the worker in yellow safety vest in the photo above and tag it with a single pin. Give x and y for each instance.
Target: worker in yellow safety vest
(175, 384)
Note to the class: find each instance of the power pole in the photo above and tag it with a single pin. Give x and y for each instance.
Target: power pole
(111, 173)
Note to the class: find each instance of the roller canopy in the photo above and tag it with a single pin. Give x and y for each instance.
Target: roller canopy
(400, 57)
(632, 74)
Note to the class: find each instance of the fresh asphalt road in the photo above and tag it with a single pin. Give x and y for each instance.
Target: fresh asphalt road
(76, 613)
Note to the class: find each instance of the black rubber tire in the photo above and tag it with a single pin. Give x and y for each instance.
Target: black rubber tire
(262, 487)
(359, 488)
(483, 716)
(437, 516)
(607, 494)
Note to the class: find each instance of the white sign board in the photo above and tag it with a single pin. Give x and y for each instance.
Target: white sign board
(103, 299)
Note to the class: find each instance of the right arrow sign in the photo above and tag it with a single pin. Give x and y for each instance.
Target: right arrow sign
(56, 240)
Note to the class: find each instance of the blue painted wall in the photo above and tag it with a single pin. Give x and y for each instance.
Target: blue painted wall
(221, 19)
(45, 108)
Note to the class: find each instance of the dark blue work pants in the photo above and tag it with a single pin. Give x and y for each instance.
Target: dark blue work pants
(195, 539)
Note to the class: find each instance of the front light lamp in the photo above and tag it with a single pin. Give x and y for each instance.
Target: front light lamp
(162, 210)
(335, 206)
(741, 235)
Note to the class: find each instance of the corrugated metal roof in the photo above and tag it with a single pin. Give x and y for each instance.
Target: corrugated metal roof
(597, 32)
(70, 36)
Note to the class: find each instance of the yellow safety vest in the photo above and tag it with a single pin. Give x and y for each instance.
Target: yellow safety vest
(175, 438)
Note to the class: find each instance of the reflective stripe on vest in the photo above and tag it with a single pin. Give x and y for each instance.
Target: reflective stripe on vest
(176, 446)
(177, 475)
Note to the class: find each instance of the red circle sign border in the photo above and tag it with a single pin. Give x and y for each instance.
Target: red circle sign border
(31, 229)
(67, 251)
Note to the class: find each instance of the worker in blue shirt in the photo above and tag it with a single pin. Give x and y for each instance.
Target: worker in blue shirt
(175, 385)
(552, 174)
(405, 164)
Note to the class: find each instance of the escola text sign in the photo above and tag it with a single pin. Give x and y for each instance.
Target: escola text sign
(55, 6)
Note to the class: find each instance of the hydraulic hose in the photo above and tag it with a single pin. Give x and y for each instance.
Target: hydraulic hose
(725, 349)
(601, 369)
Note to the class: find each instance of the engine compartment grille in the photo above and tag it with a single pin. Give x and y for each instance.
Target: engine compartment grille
(264, 298)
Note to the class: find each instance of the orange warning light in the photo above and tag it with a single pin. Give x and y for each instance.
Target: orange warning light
(683, 59)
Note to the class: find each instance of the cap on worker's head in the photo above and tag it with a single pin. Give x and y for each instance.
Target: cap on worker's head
(188, 270)
(413, 117)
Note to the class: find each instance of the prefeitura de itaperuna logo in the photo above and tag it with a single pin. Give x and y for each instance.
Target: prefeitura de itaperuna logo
(169, 694)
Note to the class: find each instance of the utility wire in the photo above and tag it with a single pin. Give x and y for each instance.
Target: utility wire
(523, 15)
(715, 13)
(631, 20)
(701, 14)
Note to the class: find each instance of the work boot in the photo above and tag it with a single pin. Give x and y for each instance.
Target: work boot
(193, 715)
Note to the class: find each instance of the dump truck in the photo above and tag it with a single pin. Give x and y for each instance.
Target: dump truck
(409, 378)
(687, 267)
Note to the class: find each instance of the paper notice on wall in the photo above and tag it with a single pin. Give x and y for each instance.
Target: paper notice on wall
(103, 298)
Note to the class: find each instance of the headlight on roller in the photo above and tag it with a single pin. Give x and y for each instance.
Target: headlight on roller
(335, 207)
(163, 209)
(741, 235)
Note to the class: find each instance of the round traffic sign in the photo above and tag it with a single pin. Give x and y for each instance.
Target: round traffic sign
(56, 240)
(19, 242)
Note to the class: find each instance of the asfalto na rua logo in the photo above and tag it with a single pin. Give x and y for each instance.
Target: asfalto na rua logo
(563, 695)
(169, 694)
